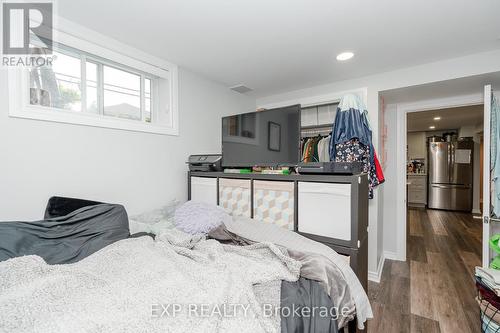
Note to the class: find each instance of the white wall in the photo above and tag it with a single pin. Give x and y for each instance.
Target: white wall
(140, 170)
(476, 64)
(390, 185)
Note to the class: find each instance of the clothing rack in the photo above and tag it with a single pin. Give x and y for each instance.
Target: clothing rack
(312, 131)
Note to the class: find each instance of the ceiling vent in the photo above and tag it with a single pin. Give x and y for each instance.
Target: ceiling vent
(242, 89)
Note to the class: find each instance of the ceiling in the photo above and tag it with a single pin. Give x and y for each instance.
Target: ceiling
(471, 85)
(452, 118)
(279, 45)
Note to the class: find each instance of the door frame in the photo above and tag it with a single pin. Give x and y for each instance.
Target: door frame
(402, 111)
(486, 253)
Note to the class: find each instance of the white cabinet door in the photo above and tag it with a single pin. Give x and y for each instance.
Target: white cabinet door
(324, 209)
(204, 190)
(326, 114)
(417, 146)
(308, 117)
(274, 203)
(234, 196)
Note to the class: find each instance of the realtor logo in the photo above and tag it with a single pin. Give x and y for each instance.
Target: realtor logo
(27, 28)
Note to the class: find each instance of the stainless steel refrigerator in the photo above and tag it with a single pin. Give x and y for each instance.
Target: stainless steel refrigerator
(450, 174)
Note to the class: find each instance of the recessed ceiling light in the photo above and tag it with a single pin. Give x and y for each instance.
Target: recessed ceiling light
(437, 118)
(432, 127)
(345, 56)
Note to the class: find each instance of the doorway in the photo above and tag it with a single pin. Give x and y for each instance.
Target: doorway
(443, 158)
(437, 249)
(399, 103)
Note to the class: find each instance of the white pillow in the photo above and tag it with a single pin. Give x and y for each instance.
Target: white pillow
(154, 221)
(198, 217)
(136, 226)
(156, 215)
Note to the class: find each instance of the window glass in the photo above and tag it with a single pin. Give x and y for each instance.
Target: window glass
(122, 93)
(57, 86)
(86, 83)
(91, 87)
(147, 100)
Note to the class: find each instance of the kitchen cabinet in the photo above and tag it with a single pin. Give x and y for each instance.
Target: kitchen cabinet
(417, 147)
(417, 190)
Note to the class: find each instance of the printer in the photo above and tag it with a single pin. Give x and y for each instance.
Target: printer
(211, 162)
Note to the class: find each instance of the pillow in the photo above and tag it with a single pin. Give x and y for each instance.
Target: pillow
(65, 239)
(62, 206)
(198, 217)
(155, 221)
(136, 226)
(157, 215)
(155, 228)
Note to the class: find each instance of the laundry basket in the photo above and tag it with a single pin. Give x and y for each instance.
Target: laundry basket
(489, 303)
(488, 325)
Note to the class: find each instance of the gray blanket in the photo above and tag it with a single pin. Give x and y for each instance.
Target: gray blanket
(320, 314)
(321, 284)
(319, 262)
(65, 239)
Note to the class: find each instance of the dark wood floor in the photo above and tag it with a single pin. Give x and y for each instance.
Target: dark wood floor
(433, 291)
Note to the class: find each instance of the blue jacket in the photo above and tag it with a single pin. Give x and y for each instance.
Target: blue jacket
(351, 122)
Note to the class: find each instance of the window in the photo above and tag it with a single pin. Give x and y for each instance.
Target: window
(126, 93)
(58, 86)
(122, 93)
(90, 85)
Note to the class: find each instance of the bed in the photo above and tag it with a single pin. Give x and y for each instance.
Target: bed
(79, 269)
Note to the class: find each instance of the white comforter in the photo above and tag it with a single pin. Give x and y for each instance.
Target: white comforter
(131, 286)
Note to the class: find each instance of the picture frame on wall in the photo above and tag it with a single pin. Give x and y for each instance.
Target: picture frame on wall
(273, 136)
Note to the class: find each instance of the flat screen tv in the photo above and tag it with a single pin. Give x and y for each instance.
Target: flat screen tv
(262, 138)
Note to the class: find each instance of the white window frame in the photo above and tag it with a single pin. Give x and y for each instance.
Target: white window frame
(20, 107)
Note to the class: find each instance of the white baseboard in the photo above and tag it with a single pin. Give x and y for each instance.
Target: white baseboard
(476, 211)
(391, 255)
(375, 276)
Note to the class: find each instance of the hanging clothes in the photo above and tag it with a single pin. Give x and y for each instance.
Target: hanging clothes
(351, 121)
(355, 151)
(306, 153)
(315, 141)
(311, 152)
(351, 139)
(378, 170)
(324, 149)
